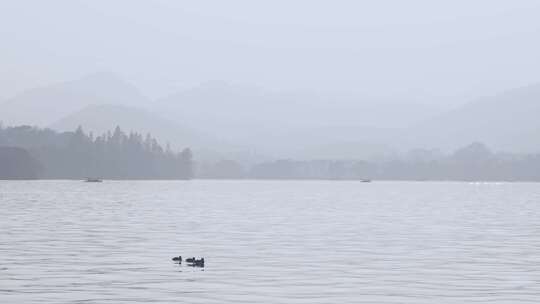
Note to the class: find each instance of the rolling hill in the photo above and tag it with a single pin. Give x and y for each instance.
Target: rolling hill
(290, 124)
(45, 105)
(508, 121)
(102, 118)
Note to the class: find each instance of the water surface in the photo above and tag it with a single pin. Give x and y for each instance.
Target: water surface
(269, 242)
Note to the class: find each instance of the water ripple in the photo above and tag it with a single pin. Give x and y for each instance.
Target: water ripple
(269, 242)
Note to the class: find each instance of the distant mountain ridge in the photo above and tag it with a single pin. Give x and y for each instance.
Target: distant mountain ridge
(251, 123)
(285, 124)
(104, 117)
(507, 122)
(45, 105)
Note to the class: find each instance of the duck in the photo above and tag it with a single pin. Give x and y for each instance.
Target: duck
(177, 259)
(198, 263)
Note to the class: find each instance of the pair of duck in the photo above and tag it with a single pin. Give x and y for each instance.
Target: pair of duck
(192, 261)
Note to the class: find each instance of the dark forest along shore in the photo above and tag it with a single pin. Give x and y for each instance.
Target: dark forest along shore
(33, 153)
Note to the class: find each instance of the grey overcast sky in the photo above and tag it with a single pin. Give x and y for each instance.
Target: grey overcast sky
(422, 50)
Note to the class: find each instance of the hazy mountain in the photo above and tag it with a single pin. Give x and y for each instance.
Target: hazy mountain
(206, 147)
(45, 105)
(101, 118)
(245, 122)
(507, 121)
(288, 124)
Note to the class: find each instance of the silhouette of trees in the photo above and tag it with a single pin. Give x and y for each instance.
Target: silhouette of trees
(474, 162)
(17, 163)
(115, 155)
(28, 152)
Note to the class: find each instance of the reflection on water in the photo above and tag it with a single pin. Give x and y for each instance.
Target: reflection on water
(269, 242)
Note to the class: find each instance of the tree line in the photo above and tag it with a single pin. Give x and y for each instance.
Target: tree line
(474, 162)
(30, 152)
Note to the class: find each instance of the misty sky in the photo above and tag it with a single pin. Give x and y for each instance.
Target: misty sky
(443, 52)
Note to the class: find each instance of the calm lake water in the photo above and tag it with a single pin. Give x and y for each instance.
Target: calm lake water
(269, 242)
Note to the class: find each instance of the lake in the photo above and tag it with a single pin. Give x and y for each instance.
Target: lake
(269, 242)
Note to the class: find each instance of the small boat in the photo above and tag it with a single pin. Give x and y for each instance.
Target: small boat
(178, 259)
(93, 180)
(365, 181)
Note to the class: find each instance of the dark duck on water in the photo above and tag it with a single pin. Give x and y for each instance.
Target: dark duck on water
(193, 262)
(197, 263)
